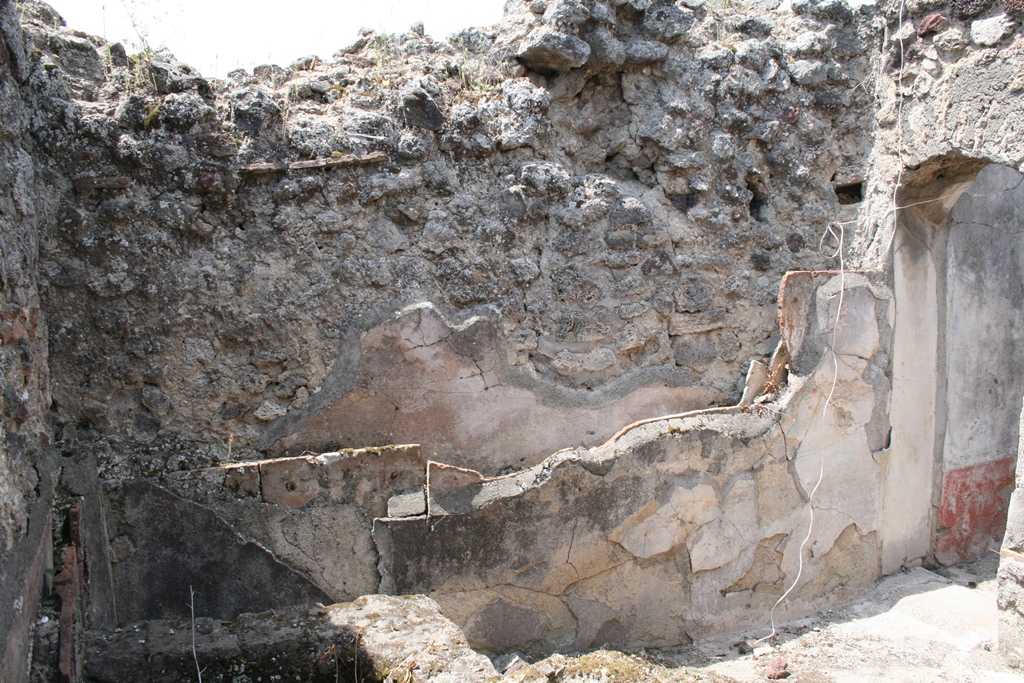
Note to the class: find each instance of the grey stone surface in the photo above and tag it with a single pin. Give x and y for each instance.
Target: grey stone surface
(27, 203)
(252, 275)
(352, 642)
(162, 547)
(420, 110)
(550, 52)
(202, 271)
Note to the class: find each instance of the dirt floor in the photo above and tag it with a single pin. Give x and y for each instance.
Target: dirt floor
(918, 626)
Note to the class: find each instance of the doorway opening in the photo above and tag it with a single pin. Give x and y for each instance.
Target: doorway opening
(958, 379)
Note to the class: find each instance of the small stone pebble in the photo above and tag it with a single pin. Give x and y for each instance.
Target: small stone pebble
(777, 669)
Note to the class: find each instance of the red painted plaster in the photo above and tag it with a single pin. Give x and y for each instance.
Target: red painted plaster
(973, 513)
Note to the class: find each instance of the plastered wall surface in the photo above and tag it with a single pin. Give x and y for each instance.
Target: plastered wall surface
(985, 282)
(496, 248)
(423, 378)
(957, 273)
(688, 525)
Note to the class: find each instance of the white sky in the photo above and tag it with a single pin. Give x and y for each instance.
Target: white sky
(217, 36)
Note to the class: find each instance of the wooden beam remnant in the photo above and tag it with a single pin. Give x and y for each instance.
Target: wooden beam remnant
(329, 162)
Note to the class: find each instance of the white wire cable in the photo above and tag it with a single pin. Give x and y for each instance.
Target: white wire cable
(840, 239)
(800, 557)
(899, 130)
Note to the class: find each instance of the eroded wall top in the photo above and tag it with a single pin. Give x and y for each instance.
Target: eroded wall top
(616, 187)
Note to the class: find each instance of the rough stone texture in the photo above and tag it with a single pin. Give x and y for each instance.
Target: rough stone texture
(27, 478)
(608, 666)
(430, 648)
(590, 209)
(938, 104)
(352, 642)
(989, 32)
(622, 227)
(550, 53)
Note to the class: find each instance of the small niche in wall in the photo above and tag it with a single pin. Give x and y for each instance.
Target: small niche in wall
(851, 193)
(758, 197)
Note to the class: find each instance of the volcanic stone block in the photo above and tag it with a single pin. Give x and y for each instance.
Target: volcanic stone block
(419, 109)
(550, 52)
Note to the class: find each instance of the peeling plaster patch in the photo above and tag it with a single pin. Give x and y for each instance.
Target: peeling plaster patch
(721, 541)
(422, 379)
(654, 530)
(653, 605)
(323, 535)
(765, 573)
(795, 292)
(592, 616)
(507, 618)
(856, 332)
(851, 564)
(849, 488)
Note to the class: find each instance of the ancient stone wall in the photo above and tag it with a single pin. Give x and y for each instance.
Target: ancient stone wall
(612, 191)
(27, 473)
(948, 96)
(677, 529)
(497, 247)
